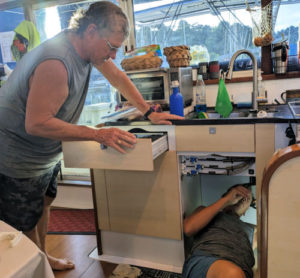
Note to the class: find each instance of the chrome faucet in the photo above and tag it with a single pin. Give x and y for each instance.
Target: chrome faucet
(255, 83)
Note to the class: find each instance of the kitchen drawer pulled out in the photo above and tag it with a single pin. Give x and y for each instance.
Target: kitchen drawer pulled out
(89, 154)
(159, 142)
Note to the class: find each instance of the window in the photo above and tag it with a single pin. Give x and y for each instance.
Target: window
(287, 27)
(101, 98)
(214, 30)
(9, 20)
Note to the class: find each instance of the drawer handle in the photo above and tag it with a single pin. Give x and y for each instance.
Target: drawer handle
(103, 147)
(212, 130)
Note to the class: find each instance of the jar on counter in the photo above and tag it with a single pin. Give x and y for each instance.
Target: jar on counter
(214, 70)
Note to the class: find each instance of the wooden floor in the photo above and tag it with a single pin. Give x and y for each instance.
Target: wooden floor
(77, 248)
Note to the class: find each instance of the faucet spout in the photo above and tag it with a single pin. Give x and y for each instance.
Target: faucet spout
(255, 70)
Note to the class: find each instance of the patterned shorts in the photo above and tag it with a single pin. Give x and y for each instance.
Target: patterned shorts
(22, 200)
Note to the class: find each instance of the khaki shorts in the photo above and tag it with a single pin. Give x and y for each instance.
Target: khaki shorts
(22, 200)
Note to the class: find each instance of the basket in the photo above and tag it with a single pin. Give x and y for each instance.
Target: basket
(181, 62)
(178, 56)
(263, 22)
(139, 63)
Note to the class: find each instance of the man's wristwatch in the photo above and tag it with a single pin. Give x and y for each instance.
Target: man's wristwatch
(148, 113)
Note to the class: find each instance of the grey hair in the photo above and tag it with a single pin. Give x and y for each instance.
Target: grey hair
(104, 14)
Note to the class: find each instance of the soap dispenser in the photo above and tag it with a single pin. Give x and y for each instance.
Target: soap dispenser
(262, 93)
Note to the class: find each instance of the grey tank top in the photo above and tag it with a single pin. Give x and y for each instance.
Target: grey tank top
(229, 238)
(23, 155)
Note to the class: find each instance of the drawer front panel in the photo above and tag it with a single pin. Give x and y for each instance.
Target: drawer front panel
(217, 138)
(88, 154)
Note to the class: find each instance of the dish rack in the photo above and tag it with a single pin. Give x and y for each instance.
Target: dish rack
(295, 108)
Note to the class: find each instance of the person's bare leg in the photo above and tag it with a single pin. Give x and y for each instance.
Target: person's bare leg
(33, 235)
(224, 269)
(42, 229)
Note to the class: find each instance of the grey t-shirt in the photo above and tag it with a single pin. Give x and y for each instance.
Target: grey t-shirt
(23, 155)
(229, 238)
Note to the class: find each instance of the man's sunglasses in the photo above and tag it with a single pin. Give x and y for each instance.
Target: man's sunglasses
(111, 48)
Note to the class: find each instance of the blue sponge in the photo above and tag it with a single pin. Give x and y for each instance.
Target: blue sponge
(244, 104)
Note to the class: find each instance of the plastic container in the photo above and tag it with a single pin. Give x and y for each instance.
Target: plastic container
(261, 88)
(176, 100)
(200, 95)
(262, 93)
(214, 70)
(280, 57)
(203, 70)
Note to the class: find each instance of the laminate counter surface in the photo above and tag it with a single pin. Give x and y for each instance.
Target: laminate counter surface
(266, 114)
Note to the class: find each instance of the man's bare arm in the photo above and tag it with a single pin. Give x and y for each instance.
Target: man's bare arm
(48, 91)
(201, 217)
(124, 85)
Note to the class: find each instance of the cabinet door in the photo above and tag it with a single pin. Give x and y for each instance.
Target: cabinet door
(217, 138)
(146, 203)
(100, 199)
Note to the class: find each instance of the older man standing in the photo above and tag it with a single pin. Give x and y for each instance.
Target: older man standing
(39, 106)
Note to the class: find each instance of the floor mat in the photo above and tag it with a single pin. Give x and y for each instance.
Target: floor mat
(154, 273)
(72, 221)
(132, 271)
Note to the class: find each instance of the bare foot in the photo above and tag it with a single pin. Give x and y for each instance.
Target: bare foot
(60, 264)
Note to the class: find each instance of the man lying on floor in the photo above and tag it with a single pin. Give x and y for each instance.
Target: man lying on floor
(221, 245)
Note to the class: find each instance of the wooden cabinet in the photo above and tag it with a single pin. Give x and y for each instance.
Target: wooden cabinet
(138, 196)
(264, 149)
(138, 202)
(217, 138)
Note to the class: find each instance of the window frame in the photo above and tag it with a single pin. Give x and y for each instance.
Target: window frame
(266, 55)
(127, 6)
(266, 61)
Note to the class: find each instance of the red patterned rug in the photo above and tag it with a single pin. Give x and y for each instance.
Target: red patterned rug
(72, 221)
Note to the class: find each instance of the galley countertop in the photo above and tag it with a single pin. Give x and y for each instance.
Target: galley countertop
(271, 114)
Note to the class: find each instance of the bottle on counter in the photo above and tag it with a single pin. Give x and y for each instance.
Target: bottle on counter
(200, 95)
(262, 94)
(176, 100)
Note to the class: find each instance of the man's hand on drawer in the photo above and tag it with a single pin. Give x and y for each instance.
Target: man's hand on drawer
(115, 138)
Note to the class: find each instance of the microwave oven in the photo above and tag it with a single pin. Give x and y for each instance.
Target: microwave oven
(155, 84)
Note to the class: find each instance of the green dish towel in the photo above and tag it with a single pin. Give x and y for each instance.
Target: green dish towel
(223, 104)
(28, 31)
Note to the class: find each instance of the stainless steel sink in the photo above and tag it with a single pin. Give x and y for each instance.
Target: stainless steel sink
(215, 115)
(237, 115)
